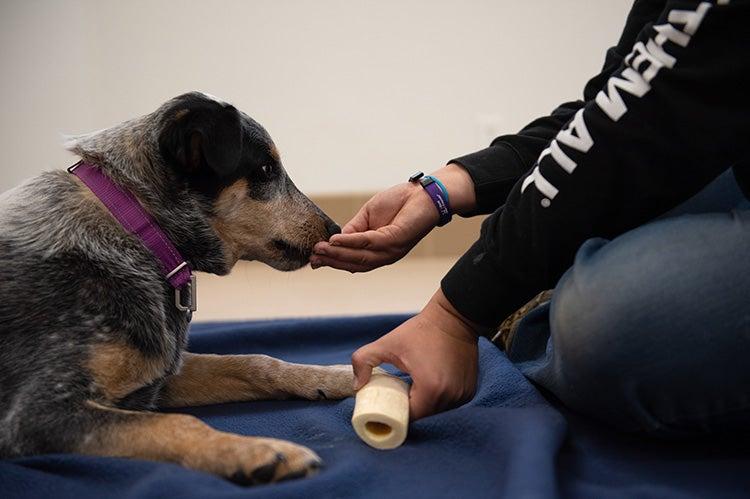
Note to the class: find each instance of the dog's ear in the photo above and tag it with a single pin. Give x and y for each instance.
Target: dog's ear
(203, 136)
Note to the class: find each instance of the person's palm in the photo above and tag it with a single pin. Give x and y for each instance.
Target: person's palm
(385, 229)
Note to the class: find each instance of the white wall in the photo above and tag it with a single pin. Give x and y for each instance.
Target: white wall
(357, 94)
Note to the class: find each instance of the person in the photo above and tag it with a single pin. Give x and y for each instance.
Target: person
(629, 204)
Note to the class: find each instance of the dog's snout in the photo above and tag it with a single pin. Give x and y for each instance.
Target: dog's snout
(332, 228)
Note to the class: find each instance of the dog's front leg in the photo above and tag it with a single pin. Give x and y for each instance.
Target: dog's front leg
(212, 379)
(186, 440)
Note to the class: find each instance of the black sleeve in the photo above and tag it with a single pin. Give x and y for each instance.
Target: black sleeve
(667, 122)
(498, 167)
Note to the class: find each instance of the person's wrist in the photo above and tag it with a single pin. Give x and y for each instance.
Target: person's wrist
(460, 188)
(425, 203)
(442, 313)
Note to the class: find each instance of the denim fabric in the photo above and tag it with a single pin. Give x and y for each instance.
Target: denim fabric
(650, 331)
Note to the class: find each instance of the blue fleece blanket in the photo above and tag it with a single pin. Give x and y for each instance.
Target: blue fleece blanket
(510, 441)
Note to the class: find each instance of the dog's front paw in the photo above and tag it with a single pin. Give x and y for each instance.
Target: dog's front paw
(253, 461)
(337, 382)
(332, 382)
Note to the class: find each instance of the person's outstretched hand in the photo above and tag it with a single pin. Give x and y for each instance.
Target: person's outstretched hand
(391, 223)
(437, 347)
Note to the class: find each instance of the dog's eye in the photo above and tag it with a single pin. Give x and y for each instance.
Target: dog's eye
(267, 171)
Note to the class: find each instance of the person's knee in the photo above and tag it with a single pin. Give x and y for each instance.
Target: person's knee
(587, 311)
(633, 320)
(594, 348)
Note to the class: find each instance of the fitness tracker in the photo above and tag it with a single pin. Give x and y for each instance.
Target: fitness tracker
(438, 193)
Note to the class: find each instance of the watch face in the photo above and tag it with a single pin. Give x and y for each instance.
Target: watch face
(416, 177)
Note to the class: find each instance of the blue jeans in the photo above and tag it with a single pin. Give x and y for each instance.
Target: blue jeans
(650, 332)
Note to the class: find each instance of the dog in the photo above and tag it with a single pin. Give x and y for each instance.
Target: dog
(91, 342)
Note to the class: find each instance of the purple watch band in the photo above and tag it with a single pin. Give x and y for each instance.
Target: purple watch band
(128, 211)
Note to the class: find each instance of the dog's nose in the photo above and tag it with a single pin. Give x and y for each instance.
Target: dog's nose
(332, 228)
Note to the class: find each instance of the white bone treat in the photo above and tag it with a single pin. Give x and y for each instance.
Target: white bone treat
(381, 412)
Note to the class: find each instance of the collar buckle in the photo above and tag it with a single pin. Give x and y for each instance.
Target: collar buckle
(192, 304)
(74, 166)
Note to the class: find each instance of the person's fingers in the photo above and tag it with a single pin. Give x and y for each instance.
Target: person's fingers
(358, 223)
(320, 247)
(348, 228)
(317, 261)
(371, 356)
(354, 239)
(362, 257)
(363, 362)
(382, 238)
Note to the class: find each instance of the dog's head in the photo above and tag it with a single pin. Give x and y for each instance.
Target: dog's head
(230, 161)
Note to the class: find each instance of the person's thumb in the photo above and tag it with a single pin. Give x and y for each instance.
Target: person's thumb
(358, 223)
(363, 361)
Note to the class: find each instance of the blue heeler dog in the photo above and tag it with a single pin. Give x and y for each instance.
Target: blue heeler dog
(90, 338)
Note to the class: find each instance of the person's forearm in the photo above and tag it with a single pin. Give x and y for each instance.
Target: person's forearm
(460, 188)
(441, 312)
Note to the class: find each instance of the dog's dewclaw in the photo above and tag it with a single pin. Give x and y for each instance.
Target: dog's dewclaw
(381, 412)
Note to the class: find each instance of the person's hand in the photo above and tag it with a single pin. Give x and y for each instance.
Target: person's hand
(437, 347)
(391, 223)
(385, 229)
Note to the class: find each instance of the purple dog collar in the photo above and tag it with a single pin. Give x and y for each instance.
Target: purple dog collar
(131, 215)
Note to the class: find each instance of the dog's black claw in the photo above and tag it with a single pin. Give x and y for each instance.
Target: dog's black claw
(311, 469)
(241, 479)
(322, 394)
(262, 474)
(265, 473)
(315, 465)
